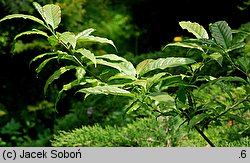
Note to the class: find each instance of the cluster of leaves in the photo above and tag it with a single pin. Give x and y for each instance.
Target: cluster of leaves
(149, 84)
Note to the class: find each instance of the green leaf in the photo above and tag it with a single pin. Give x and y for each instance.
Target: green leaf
(85, 33)
(141, 66)
(23, 16)
(154, 79)
(88, 54)
(218, 57)
(95, 39)
(53, 41)
(121, 64)
(140, 82)
(185, 45)
(236, 46)
(197, 119)
(211, 80)
(195, 29)
(68, 37)
(57, 75)
(33, 32)
(122, 76)
(52, 15)
(133, 107)
(161, 97)
(113, 90)
(244, 63)
(163, 63)
(39, 9)
(80, 72)
(222, 34)
(41, 56)
(172, 81)
(112, 57)
(67, 87)
(65, 56)
(41, 66)
(225, 89)
(230, 79)
(181, 95)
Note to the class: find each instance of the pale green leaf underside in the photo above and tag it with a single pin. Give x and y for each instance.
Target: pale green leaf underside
(186, 45)
(88, 54)
(33, 32)
(23, 16)
(41, 66)
(163, 63)
(85, 33)
(39, 8)
(195, 29)
(118, 63)
(113, 90)
(142, 65)
(41, 56)
(52, 15)
(68, 37)
(95, 39)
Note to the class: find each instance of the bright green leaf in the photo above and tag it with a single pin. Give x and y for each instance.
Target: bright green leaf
(68, 37)
(53, 41)
(161, 97)
(39, 8)
(36, 32)
(88, 54)
(141, 66)
(95, 39)
(30, 17)
(80, 72)
(52, 15)
(85, 33)
(218, 57)
(163, 63)
(195, 29)
(41, 56)
(121, 64)
(113, 90)
(133, 107)
(185, 45)
(41, 66)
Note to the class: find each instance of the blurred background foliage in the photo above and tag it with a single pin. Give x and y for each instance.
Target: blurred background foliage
(139, 29)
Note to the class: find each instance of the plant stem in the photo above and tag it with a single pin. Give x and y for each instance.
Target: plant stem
(231, 107)
(195, 126)
(198, 130)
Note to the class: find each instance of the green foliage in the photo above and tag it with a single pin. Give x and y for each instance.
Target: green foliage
(16, 133)
(150, 84)
(141, 133)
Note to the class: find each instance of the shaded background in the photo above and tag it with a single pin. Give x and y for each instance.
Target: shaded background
(135, 26)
